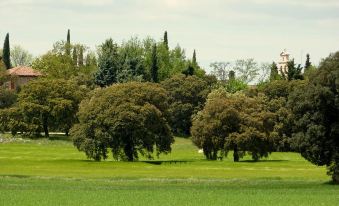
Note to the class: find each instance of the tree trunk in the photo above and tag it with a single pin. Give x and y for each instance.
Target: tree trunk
(129, 151)
(235, 154)
(335, 175)
(45, 126)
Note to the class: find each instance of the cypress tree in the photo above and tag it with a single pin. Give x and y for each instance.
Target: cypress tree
(6, 53)
(231, 75)
(274, 75)
(154, 64)
(81, 56)
(166, 40)
(308, 62)
(68, 43)
(75, 56)
(194, 59)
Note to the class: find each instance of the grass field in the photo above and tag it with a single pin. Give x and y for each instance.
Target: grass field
(45, 172)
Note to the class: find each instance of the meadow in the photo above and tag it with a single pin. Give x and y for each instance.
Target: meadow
(53, 172)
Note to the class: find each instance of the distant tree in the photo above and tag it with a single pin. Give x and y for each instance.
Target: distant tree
(126, 118)
(68, 43)
(189, 71)
(7, 98)
(308, 62)
(187, 95)
(246, 69)
(220, 69)
(234, 85)
(194, 58)
(55, 65)
(315, 108)
(166, 40)
(154, 65)
(6, 53)
(48, 103)
(21, 57)
(274, 75)
(81, 57)
(75, 56)
(294, 72)
(109, 64)
(231, 75)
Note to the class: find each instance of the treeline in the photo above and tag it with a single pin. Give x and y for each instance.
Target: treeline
(130, 99)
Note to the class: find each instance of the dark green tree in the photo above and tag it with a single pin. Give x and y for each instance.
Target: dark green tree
(294, 72)
(109, 64)
(231, 75)
(194, 58)
(316, 107)
(166, 40)
(308, 62)
(68, 43)
(129, 119)
(81, 57)
(6, 53)
(274, 75)
(75, 56)
(154, 64)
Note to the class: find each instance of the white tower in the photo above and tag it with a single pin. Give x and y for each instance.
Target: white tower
(282, 63)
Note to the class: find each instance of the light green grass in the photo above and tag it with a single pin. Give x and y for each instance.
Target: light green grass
(55, 173)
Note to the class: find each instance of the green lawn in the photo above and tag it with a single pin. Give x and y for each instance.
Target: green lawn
(44, 172)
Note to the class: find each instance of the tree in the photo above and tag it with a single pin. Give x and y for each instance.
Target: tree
(233, 121)
(109, 64)
(294, 72)
(315, 108)
(308, 63)
(220, 70)
(246, 69)
(126, 118)
(55, 65)
(7, 98)
(75, 56)
(274, 75)
(187, 95)
(189, 71)
(81, 57)
(166, 40)
(6, 53)
(194, 58)
(68, 43)
(48, 103)
(154, 65)
(20, 57)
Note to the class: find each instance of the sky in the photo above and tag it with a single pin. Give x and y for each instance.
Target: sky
(219, 30)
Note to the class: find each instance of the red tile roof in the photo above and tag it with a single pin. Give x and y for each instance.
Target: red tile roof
(24, 71)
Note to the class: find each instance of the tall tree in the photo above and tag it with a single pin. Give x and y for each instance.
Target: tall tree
(308, 62)
(109, 64)
(75, 56)
(274, 75)
(166, 40)
(81, 57)
(154, 64)
(194, 59)
(20, 57)
(6, 54)
(68, 43)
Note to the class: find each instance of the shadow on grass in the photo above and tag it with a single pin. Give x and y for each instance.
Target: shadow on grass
(253, 161)
(156, 162)
(16, 176)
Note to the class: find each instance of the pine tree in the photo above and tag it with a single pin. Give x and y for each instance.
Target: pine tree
(231, 75)
(75, 56)
(274, 75)
(6, 54)
(68, 43)
(308, 62)
(154, 64)
(81, 57)
(194, 59)
(166, 40)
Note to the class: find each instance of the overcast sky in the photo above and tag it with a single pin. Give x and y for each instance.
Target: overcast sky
(220, 30)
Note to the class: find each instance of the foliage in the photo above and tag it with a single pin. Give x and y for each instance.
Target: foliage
(187, 95)
(7, 97)
(220, 70)
(316, 109)
(44, 104)
(68, 45)
(109, 64)
(308, 63)
(126, 118)
(274, 74)
(234, 121)
(235, 85)
(293, 73)
(20, 57)
(6, 53)
(246, 69)
(154, 64)
(55, 66)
